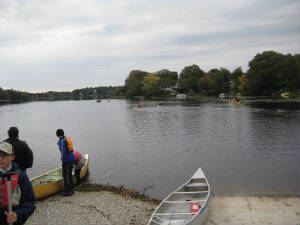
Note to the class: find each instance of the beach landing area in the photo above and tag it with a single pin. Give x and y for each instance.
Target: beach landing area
(117, 206)
(253, 210)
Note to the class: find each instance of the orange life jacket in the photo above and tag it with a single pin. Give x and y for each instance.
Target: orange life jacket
(70, 144)
(14, 188)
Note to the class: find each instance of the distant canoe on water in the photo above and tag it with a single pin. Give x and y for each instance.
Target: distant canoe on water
(235, 102)
(52, 182)
(140, 105)
(285, 95)
(188, 205)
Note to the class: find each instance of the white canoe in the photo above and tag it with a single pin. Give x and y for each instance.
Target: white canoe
(189, 204)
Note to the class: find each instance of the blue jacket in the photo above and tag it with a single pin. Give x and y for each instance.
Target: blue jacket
(26, 206)
(66, 156)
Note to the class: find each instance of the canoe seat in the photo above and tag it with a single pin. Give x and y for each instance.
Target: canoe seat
(158, 220)
(196, 185)
(157, 217)
(190, 192)
(175, 213)
(154, 221)
(184, 202)
(44, 180)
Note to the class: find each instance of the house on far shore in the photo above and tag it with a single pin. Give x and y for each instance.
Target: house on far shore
(181, 96)
(170, 90)
(222, 95)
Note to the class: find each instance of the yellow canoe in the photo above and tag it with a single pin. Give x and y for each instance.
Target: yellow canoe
(236, 102)
(52, 182)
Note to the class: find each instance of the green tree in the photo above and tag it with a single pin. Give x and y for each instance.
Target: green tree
(215, 82)
(206, 84)
(119, 91)
(220, 81)
(288, 75)
(167, 78)
(189, 78)
(133, 83)
(151, 85)
(271, 71)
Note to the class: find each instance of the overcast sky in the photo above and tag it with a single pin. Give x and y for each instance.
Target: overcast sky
(68, 44)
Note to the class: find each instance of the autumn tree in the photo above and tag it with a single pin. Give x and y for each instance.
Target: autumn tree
(243, 86)
(150, 85)
(133, 83)
(235, 75)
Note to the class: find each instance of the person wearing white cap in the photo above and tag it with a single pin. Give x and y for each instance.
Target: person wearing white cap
(17, 202)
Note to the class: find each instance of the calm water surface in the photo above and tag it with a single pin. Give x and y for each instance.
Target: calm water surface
(246, 150)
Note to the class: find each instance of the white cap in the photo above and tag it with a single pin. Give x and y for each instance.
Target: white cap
(6, 148)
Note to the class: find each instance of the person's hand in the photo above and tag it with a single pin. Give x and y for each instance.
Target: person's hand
(11, 217)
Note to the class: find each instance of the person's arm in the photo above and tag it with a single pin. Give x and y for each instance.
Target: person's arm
(29, 156)
(26, 206)
(64, 149)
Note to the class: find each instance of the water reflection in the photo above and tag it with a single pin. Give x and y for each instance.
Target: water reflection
(154, 149)
(271, 104)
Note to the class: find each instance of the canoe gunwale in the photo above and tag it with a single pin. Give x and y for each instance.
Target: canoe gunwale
(45, 174)
(193, 214)
(47, 186)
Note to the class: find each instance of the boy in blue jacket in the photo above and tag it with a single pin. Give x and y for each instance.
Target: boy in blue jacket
(22, 196)
(67, 158)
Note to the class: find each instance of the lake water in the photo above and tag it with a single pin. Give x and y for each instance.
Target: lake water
(243, 149)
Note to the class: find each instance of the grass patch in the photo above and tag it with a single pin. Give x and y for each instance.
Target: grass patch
(118, 190)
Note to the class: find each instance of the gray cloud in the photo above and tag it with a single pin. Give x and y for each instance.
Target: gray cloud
(95, 43)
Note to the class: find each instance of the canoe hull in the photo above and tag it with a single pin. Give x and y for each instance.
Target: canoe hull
(84, 170)
(44, 190)
(52, 182)
(201, 219)
(236, 102)
(188, 205)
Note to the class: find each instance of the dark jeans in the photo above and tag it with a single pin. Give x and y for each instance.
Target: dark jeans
(67, 174)
(77, 175)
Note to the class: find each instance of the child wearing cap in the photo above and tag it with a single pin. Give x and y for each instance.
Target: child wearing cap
(22, 196)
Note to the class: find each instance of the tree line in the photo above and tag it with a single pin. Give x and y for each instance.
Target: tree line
(269, 74)
(77, 94)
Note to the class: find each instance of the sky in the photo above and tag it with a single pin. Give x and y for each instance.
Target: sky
(62, 45)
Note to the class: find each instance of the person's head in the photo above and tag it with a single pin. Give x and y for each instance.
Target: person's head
(60, 133)
(6, 155)
(13, 132)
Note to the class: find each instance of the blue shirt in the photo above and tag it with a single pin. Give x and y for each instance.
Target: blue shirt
(66, 156)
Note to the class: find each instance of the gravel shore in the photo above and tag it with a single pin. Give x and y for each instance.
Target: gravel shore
(97, 207)
(91, 208)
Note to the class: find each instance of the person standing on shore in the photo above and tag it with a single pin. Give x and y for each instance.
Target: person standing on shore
(67, 158)
(23, 154)
(19, 206)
